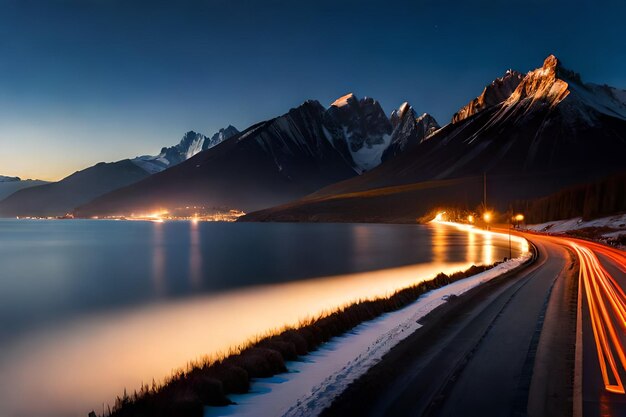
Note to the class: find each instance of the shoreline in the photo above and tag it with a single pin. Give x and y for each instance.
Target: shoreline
(313, 383)
(211, 383)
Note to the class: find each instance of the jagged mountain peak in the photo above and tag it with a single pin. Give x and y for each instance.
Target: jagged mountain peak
(553, 67)
(344, 100)
(551, 62)
(310, 103)
(409, 130)
(362, 125)
(494, 93)
(397, 114)
(543, 84)
(4, 178)
(553, 84)
(427, 118)
(191, 144)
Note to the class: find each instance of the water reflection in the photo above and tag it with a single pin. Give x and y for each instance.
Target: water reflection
(488, 249)
(81, 364)
(440, 243)
(195, 256)
(472, 248)
(110, 331)
(158, 259)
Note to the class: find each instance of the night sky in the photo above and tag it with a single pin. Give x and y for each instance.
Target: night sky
(102, 80)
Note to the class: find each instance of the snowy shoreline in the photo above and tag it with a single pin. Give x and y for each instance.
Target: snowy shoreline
(314, 381)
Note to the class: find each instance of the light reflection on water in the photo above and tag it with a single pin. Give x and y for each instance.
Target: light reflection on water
(488, 250)
(72, 364)
(439, 243)
(195, 256)
(158, 260)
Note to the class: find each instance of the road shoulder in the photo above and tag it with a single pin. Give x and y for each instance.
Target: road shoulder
(552, 385)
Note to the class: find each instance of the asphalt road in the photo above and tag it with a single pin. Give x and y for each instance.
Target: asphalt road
(485, 353)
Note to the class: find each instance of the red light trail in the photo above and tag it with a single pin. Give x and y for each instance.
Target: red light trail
(607, 304)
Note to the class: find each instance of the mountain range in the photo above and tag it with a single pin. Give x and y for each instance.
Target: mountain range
(191, 144)
(270, 163)
(59, 198)
(549, 130)
(527, 134)
(10, 185)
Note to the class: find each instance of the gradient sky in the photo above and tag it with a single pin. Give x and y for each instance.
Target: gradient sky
(101, 80)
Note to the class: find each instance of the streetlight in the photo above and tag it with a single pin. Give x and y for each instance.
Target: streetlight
(487, 218)
(519, 218)
(470, 218)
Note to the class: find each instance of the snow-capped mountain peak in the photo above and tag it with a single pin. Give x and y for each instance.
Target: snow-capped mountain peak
(362, 125)
(191, 144)
(398, 113)
(409, 130)
(344, 100)
(553, 84)
(4, 178)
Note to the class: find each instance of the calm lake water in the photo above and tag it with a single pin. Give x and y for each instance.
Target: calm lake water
(88, 308)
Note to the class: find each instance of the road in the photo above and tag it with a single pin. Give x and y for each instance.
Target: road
(603, 306)
(506, 349)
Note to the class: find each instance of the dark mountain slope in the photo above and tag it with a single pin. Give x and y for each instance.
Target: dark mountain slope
(551, 132)
(10, 185)
(269, 163)
(61, 197)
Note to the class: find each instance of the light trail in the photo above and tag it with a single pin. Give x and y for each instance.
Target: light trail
(607, 303)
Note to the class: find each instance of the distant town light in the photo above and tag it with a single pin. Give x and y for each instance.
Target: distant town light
(470, 218)
(487, 216)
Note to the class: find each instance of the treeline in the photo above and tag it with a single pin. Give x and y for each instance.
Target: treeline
(589, 201)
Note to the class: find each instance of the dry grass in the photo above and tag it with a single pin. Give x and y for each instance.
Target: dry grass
(211, 380)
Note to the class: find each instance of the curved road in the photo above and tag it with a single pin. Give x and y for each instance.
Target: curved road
(507, 348)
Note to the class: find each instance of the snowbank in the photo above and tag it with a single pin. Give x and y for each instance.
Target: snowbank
(562, 226)
(312, 383)
(609, 230)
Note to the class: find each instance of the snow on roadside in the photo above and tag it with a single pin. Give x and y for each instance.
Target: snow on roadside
(615, 228)
(577, 223)
(312, 383)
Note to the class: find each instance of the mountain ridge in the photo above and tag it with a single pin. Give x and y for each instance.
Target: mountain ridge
(272, 162)
(552, 131)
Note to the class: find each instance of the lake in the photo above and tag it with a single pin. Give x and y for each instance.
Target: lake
(88, 308)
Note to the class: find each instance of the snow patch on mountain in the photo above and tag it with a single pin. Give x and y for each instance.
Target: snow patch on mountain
(343, 100)
(369, 156)
(553, 84)
(409, 130)
(604, 99)
(191, 144)
(362, 125)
